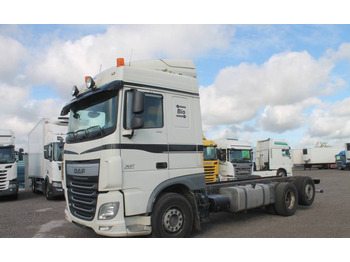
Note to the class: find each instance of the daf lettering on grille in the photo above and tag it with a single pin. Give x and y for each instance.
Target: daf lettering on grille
(79, 170)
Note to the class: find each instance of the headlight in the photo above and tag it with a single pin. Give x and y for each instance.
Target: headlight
(56, 184)
(12, 186)
(108, 211)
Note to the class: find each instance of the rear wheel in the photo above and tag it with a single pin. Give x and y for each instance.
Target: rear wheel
(306, 190)
(286, 199)
(172, 216)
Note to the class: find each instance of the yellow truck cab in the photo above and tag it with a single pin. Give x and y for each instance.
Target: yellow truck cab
(211, 163)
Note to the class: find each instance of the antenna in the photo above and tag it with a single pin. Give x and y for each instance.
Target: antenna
(132, 49)
(100, 68)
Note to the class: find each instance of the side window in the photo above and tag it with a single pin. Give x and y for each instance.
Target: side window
(286, 152)
(46, 152)
(50, 152)
(152, 114)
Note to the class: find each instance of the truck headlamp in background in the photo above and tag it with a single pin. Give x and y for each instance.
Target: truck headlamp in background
(56, 184)
(108, 211)
(75, 91)
(90, 83)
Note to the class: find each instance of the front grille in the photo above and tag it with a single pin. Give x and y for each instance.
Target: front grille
(243, 171)
(209, 174)
(3, 179)
(82, 193)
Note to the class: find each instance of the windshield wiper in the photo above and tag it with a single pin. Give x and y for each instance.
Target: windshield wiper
(94, 132)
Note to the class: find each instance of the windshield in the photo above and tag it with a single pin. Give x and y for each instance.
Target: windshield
(93, 119)
(7, 155)
(58, 151)
(340, 157)
(239, 156)
(209, 153)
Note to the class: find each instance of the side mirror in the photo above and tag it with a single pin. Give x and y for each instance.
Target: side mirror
(138, 104)
(137, 123)
(20, 154)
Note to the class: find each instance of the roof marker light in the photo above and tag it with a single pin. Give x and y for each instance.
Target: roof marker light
(120, 62)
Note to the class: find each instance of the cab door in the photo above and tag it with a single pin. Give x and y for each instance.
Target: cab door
(144, 150)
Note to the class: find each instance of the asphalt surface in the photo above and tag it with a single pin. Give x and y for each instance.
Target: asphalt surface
(32, 216)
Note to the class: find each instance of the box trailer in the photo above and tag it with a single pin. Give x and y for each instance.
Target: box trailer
(45, 156)
(321, 157)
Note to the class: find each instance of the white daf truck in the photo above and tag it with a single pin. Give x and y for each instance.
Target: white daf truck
(235, 159)
(45, 156)
(8, 164)
(133, 161)
(272, 157)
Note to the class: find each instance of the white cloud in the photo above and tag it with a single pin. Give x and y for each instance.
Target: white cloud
(331, 122)
(286, 79)
(12, 53)
(65, 64)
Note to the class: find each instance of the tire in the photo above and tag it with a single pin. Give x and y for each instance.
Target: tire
(47, 190)
(34, 186)
(172, 216)
(306, 190)
(286, 199)
(281, 172)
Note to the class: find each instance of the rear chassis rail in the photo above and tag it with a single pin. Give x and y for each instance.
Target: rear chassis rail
(213, 188)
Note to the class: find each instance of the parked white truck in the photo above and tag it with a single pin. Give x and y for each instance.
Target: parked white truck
(8, 164)
(133, 158)
(321, 157)
(235, 159)
(45, 156)
(272, 157)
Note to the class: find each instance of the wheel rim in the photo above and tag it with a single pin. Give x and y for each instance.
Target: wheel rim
(173, 220)
(289, 199)
(309, 191)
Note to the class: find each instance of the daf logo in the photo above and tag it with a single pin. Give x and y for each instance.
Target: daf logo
(79, 170)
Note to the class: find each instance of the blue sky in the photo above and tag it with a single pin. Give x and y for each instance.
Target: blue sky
(256, 81)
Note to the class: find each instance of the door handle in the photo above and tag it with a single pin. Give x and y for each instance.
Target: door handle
(161, 165)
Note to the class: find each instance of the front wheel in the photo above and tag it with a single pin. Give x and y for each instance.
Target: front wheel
(172, 216)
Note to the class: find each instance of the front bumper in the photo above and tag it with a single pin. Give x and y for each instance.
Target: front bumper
(115, 227)
(12, 191)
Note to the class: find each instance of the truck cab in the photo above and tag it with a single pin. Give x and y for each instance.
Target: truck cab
(272, 157)
(211, 162)
(340, 160)
(235, 159)
(8, 164)
(134, 136)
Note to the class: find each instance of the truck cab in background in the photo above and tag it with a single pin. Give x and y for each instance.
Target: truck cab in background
(340, 160)
(211, 162)
(8, 164)
(272, 158)
(45, 157)
(235, 159)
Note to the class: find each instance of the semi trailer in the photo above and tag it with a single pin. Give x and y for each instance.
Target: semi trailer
(133, 158)
(321, 157)
(8, 164)
(45, 156)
